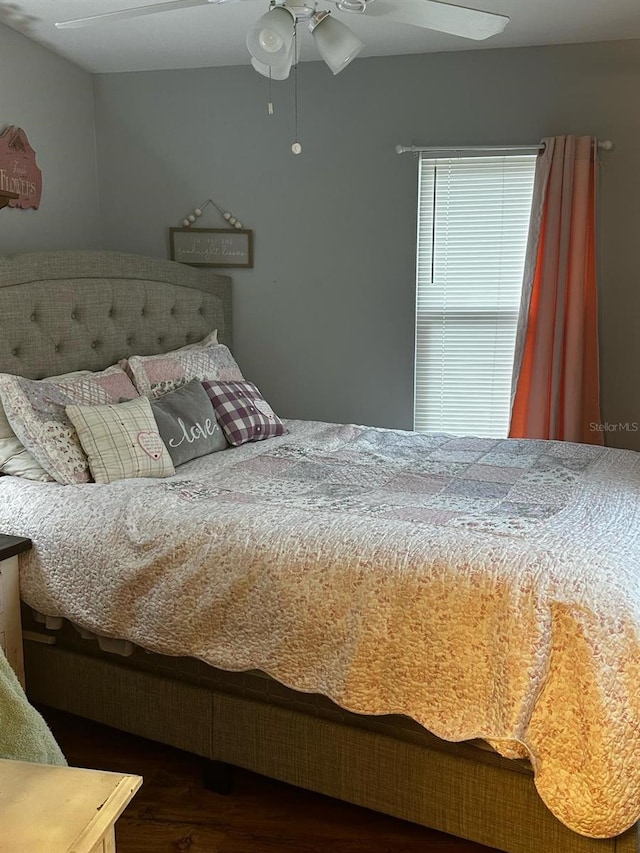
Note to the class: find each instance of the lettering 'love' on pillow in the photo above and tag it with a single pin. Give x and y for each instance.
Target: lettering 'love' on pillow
(187, 423)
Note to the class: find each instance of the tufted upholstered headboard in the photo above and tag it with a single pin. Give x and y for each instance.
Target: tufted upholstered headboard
(75, 310)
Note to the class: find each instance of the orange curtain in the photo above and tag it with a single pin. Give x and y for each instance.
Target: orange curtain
(556, 385)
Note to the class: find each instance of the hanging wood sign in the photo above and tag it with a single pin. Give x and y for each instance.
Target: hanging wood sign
(19, 172)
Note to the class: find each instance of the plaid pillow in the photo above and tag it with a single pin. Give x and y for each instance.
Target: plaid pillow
(121, 440)
(242, 412)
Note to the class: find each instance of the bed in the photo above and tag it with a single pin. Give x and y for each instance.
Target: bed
(327, 724)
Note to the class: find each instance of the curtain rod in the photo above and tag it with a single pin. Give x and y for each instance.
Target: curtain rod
(607, 145)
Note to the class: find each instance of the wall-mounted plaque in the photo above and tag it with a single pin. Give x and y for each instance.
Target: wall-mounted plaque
(212, 247)
(19, 172)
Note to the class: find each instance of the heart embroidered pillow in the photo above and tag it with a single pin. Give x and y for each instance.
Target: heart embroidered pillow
(242, 412)
(121, 441)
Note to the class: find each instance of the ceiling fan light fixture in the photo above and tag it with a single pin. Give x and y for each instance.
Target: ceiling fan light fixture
(270, 39)
(337, 44)
(274, 72)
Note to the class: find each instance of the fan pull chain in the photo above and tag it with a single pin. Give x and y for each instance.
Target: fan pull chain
(296, 147)
(270, 102)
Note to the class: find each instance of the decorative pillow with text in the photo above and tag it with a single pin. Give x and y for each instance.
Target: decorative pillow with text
(187, 423)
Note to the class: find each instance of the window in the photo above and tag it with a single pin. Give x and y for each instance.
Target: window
(473, 221)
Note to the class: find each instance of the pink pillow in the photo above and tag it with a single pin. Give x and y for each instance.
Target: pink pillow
(242, 412)
(155, 375)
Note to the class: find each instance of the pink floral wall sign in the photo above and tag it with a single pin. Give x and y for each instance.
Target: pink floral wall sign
(19, 172)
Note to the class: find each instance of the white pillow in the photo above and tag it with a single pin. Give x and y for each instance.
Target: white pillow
(15, 459)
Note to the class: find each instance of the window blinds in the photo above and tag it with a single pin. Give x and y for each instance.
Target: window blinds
(473, 220)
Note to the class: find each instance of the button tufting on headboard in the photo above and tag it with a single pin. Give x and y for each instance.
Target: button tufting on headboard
(54, 305)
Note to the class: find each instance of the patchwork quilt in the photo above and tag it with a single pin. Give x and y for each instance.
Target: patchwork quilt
(487, 589)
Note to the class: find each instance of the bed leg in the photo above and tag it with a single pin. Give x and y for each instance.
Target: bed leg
(218, 777)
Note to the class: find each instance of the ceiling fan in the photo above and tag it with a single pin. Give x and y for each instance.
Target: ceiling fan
(272, 39)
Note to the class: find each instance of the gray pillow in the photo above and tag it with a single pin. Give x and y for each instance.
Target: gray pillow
(187, 423)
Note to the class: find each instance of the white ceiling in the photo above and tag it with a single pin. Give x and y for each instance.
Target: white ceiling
(215, 35)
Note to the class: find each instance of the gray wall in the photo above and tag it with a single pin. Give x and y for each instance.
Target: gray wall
(324, 323)
(53, 101)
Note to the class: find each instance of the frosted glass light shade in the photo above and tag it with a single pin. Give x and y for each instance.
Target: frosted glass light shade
(275, 72)
(338, 46)
(270, 39)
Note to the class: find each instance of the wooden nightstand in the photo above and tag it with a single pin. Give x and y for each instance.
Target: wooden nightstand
(47, 809)
(10, 623)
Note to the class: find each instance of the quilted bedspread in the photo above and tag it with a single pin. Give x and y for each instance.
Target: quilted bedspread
(487, 589)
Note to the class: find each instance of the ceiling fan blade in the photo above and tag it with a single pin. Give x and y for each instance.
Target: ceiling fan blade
(443, 17)
(135, 12)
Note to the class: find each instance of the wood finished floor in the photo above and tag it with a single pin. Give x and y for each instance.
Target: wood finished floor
(173, 813)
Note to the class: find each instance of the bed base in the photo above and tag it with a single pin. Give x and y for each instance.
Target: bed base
(448, 788)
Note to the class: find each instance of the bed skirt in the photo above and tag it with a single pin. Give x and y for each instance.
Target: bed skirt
(455, 788)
